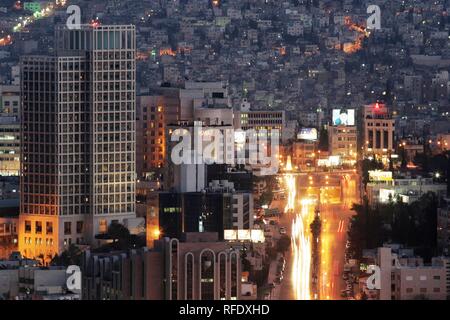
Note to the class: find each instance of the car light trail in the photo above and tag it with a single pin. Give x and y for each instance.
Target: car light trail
(300, 237)
(289, 180)
(301, 271)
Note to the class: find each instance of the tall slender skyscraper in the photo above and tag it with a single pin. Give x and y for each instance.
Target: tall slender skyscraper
(78, 131)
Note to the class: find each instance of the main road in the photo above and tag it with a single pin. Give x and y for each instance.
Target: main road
(336, 193)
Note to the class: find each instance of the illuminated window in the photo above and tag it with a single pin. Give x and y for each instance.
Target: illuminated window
(49, 227)
(102, 226)
(27, 226)
(38, 226)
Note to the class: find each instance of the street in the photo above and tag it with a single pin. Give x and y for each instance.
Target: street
(335, 211)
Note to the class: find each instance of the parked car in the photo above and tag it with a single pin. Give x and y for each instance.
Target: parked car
(282, 230)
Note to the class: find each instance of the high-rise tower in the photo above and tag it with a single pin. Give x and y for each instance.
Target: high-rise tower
(78, 133)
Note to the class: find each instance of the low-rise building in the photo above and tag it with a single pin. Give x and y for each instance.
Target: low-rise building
(409, 189)
(408, 278)
(196, 267)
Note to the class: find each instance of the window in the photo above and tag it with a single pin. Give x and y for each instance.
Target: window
(436, 277)
(38, 226)
(49, 227)
(27, 226)
(409, 290)
(79, 226)
(67, 228)
(102, 226)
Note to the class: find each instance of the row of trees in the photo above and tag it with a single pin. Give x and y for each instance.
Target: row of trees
(118, 236)
(413, 225)
(267, 196)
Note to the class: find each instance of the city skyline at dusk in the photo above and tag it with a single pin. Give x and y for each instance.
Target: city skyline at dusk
(225, 150)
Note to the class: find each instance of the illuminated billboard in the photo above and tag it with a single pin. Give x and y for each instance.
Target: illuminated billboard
(308, 134)
(32, 6)
(254, 235)
(343, 117)
(331, 161)
(376, 175)
(387, 195)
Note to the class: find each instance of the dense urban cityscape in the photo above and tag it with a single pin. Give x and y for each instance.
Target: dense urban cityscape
(224, 150)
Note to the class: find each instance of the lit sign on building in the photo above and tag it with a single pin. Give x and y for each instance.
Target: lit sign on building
(343, 117)
(308, 134)
(380, 175)
(332, 161)
(32, 6)
(244, 235)
(386, 195)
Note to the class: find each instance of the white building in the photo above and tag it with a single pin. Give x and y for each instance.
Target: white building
(408, 189)
(9, 146)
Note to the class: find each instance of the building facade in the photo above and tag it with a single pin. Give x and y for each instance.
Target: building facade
(342, 142)
(9, 146)
(378, 130)
(78, 134)
(199, 267)
(154, 114)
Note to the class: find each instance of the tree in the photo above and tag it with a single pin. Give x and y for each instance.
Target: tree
(121, 239)
(413, 225)
(323, 140)
(118, 232)
(71, 256)
(265, 198)
(366, 230)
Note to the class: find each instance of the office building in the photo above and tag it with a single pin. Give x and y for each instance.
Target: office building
(78, 139)
(10, 100)
(154, 113)
(304, 154)
(9, 146)
(342, 142)
(133, 275)
(202, 95)
(378, 130)
(217, 208)
(247, 119)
